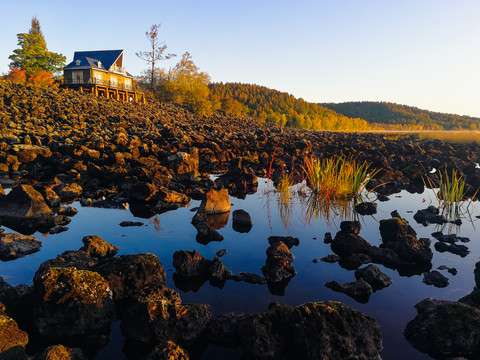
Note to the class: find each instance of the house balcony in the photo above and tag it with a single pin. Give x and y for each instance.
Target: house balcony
(105, 83)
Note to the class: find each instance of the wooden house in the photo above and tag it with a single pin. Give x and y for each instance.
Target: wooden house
(101, 73)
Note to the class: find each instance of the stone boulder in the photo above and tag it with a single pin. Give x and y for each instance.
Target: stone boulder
(128, 274)
(242, 221)
(398, 235)
(430, 215)
(14, 246)
(205, 233)
(366, 208)
(68, 192)
(445, 329)
(359, 290)
(168, 350)
(95, 246)
(215, 202)
(290, 241)
(348, 242)
(278, 267)
(155, 319)
(60, 352)
(78, 259)
(10, 335)
(332, 330)
(436, 279)
(142, 192)
(374, 276)
(184, 166)
(23, 201)
(27, 153)
(190, 263)
(71, 303)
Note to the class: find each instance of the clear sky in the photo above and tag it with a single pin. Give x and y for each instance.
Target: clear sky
(424, 53)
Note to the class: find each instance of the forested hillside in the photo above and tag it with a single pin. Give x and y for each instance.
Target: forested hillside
(408, 117)
(286, 110)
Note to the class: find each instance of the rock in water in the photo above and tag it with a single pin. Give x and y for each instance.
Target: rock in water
(14, 246)
(71, 303)
(398, 235)
(278, 266)
(367, 208)
(128, 274)
(332, 330)
(374, 276)
(359, 290)
(215, 202)
(436, 279)
(445, 329)
(23, 201)
(242, 221)
(97, 247)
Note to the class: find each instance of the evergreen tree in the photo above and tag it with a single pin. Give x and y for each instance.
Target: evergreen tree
(33, 55)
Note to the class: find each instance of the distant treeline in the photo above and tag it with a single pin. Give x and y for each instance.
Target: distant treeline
(396, 116)
(286, 110)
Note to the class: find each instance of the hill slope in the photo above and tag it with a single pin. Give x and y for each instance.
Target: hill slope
(404, 116)
(284, 109)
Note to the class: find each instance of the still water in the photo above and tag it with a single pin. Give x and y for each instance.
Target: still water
(162, 235)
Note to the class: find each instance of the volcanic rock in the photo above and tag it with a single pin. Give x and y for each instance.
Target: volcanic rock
(97, 247)
(23, 201)
(359, 290)
(278, 266)
(215, 202)
(168, 350)
(60, 352)
(366, 208)
(445, 329)
(242, 222)
(14, 246)
(436, 279)
(72, 303)
(128, 274)
(374, 276)
(287, 240)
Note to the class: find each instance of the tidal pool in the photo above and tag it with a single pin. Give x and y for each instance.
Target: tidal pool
(162, 235)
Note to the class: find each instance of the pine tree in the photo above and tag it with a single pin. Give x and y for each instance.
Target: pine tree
(33, 55)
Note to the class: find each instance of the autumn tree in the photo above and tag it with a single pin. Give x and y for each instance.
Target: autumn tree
(186, 84)
(33, 55)
(156, 52)
(16, 75)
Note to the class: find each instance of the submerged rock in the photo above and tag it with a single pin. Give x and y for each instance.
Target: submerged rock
(359, 290)
(460, 250)
(190, 263)
(445, 329)
(287, 240)
(366, 208)
(436, 279)
(430, 215)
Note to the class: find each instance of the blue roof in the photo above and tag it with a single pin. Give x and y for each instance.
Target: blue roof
(91, 58)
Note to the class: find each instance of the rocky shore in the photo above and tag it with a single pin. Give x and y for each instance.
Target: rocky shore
(60, 146)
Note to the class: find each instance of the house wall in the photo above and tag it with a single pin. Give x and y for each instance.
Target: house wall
(69, 74)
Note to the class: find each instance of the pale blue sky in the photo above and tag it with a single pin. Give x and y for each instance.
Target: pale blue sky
(424, 53)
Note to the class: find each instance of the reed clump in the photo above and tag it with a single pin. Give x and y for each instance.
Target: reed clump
(337, 178)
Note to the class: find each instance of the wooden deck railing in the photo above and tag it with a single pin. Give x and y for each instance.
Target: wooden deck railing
(106, 83)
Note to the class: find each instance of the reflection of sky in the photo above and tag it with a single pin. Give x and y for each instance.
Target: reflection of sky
(392, 307)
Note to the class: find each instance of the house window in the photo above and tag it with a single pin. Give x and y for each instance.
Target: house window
(77, 77)
(113, 81)
(128, 84)
(98, 77)
(78, 62)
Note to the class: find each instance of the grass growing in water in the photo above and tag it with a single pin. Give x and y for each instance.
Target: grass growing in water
(451, 193)
(337, 178)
